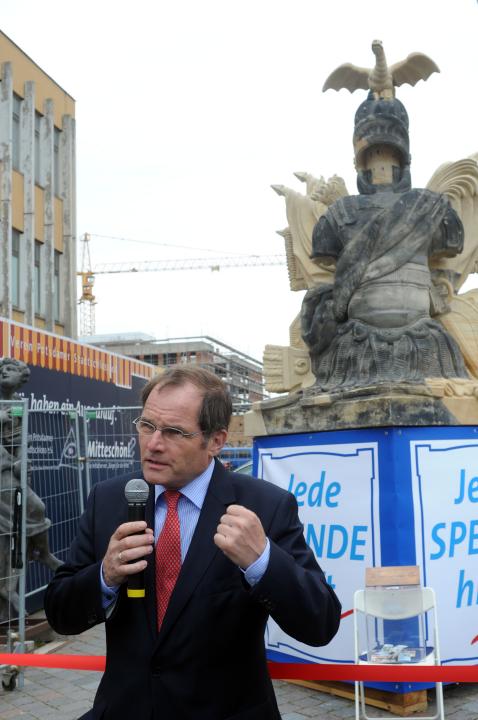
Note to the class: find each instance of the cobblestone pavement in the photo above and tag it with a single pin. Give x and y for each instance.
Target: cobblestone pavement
(67, 694)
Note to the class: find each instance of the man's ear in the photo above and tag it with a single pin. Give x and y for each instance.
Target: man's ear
(217, 441)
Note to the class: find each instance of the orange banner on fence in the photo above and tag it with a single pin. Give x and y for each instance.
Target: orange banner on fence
(48, 350)
(280, 671)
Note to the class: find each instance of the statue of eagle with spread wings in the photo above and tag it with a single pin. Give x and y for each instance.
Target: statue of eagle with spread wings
(381, 79)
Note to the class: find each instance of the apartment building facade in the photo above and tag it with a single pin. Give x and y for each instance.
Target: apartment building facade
(241, 373)
(37, 196)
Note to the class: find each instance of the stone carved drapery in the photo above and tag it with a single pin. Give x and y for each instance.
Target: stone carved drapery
(374, 324)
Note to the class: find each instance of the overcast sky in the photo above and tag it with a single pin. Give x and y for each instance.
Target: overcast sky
(188, 110)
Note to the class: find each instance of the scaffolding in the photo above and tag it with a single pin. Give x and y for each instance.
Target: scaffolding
(241, 373)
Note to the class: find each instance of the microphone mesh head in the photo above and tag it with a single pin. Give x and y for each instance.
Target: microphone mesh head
(136, 491)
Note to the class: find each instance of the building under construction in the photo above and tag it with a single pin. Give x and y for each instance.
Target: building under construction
(241, 373)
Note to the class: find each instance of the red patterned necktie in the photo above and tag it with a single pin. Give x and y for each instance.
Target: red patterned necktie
(168, 554)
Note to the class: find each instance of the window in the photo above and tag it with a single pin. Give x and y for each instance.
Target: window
(152, 359)
(170, 359)
(56, 161)
(17, 104)
(15, 269)
(38, 169)
(56, 286)
(37, 278)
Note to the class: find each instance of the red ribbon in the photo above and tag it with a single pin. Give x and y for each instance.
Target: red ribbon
(64, 662)
(382, 673)
(280, 671)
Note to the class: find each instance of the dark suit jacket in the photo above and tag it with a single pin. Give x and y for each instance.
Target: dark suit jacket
(208, 661)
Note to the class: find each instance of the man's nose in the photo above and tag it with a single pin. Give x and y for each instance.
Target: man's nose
(156, 440)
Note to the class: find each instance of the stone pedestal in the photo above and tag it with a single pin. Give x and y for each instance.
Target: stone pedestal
(439, 402)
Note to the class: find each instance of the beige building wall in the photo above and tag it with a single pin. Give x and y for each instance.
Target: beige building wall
(37, 195)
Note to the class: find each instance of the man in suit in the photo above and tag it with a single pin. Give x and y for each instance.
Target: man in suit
(193, 647)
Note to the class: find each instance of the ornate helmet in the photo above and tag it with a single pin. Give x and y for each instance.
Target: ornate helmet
(382, 121)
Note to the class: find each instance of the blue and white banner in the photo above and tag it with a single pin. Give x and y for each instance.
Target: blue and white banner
(336, 487)
(384, 496)
(445, 501)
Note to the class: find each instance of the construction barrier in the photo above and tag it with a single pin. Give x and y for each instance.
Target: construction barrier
(16, 499)
(110, 444)
(54, 468)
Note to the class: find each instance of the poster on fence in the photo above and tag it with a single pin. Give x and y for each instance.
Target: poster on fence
(445, 500)
(81, 402)
(336, 487)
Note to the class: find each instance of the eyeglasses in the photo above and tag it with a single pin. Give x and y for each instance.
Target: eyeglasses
(146, 427)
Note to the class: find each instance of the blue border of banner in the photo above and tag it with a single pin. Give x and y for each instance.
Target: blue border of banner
(396, 512)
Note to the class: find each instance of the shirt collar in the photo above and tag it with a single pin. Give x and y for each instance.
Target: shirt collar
(195, 490)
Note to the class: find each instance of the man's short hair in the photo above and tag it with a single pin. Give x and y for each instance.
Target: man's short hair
(216, 409)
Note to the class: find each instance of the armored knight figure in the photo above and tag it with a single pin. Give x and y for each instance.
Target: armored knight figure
(373, 324)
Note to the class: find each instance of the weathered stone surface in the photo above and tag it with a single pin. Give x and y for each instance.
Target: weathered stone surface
(389, 340)
(373, 323)
(389, 405)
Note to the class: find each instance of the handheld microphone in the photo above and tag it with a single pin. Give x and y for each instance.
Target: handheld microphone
(136, 493)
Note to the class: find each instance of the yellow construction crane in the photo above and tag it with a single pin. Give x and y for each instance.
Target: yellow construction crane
(87, 300)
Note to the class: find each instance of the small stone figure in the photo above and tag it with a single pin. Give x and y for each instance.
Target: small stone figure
(13, 374)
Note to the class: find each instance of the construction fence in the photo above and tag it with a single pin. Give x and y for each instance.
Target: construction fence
(49, 461)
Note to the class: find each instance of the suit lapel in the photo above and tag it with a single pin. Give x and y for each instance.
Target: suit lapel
(202, 550)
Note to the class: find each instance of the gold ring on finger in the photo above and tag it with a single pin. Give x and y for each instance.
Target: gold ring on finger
(120, 557)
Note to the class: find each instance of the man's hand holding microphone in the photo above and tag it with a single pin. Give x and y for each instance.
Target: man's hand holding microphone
(130, 544)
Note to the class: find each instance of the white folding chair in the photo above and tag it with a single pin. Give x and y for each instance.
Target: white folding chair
(382, 610)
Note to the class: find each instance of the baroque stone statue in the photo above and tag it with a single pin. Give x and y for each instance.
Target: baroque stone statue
(382, 268)
(373, 324)
(13, 374)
